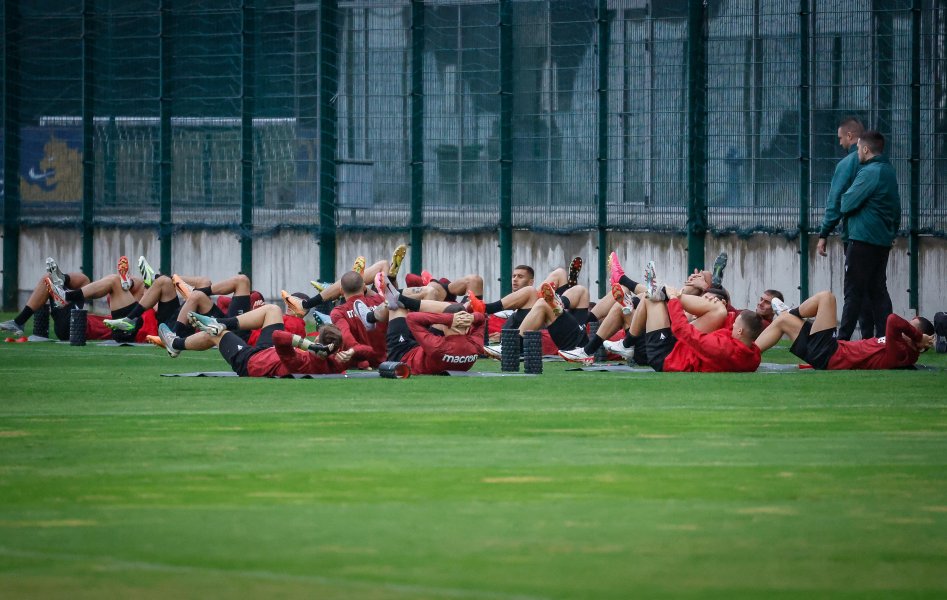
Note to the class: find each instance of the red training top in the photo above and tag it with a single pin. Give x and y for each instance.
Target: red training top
(369, 346)
(436, 354)
(717, 352)
(888, 352)
(292, 324)
(283, 359)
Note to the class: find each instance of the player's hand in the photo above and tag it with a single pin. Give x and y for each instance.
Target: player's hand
(926, 342)
(672, 292)
(344, 356)
(820, 247)
(462, 320)
(696, 280)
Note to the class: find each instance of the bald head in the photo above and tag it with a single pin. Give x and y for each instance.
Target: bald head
(352, 284)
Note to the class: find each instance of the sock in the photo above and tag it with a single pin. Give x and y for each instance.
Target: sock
(635, 301)
(24, 316)
(494, 307)
(581, 315)
(135, 312)
(480, 297)
(178, 343)
(182, 329)
(313, 301)
(594, 344)
(230, 323)
(370, 317)
(75, 296)
(565, 303)
(628, 282)
(204, 290)
(795, 312)
(65, 280)
(409, 303)
(629, 340)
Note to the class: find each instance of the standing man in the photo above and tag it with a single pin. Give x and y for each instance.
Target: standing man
(872, 209)
(849, 130)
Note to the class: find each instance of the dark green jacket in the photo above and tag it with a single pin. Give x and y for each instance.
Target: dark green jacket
(872, 204)
(842, 179)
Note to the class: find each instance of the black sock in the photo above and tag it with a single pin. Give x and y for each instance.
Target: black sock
(65, 280)
(178, 343)
(635, 301)
(136, 311)
(594, 344)
(204, 290)
(795, 312)
(566, 304)
(24, 316)
(581, 315)
(182, 329)
(230, 323)
(494, 307)
(370, 317)
(313, 301)
(75, 296)
(629, 340)
(409, 303)
(628, 282)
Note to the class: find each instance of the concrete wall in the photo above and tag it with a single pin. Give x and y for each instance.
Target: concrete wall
(290, 259)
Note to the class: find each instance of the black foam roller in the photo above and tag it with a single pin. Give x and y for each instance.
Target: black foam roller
(77, 324)
(533, 352)
(510, 350)
(41, 321)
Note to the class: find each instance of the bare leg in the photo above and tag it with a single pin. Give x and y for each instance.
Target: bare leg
(197, 302)
(368, 275)
(110, 285)
(201, 341)
(539, 316)
(238, 285)
(467, 283)
(656, 316)
(258, 318)
(639, 318)
(525, 297)
(578, 297)
(162, 290)
(784, 324)
(196, 281)
(557, 278)
(823, 307)
(603, 306)
(612, 322)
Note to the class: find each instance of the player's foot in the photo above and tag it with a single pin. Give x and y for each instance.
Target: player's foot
(548, 293)
(56, 292)
(362, 311)
(208, 325)
(147, 273)
(294, 304)
(123, 324)
(577, 355)
(183, 287)
(122, 269)
(154, 339)
(319, 285)
(651, 282)
(54, 272)
(359, 266)
(166, 336)
(476, 304)
(396, 259)
(615, 270)
(574, 267)
(426, 277)
(11, 326)
(493, 351)
(619, 349)
(779, 307)
(623, 299)
(716, 274)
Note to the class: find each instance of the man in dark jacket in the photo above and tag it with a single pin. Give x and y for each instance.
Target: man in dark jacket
(872, 210)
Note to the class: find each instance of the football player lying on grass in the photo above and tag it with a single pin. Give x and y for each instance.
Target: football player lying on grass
(817, 343)
(277, 352)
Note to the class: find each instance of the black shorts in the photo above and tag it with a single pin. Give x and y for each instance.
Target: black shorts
(126, 336)
(815, 348)
(238, 306)
(516, 319)
(60, 317)
(566, 332)
(237, 352)
(399, 338)
(167, 312)
(641, 351)
(658, 344)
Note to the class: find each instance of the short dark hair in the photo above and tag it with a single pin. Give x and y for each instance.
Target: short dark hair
(454, 308)
(719, 292)
(351, 283)
(528, 269)
(752, 323)
(852, 123)
(926, 327)
(873, 140)
(330, 334)
(775, 294)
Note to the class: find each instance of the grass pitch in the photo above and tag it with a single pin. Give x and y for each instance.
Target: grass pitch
(116, 482)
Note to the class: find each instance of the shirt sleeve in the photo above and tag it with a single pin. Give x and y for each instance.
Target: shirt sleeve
(865, 183)
(843, 176)
(361, 351)
(419, 322)
(703, 344)
(897, 349)
(295, 361)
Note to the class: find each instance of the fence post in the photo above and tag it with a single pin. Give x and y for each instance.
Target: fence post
(164, 164)
(88, 133)
(603, 48)
(914, 241)
(506, 147)
(696, 134)
(804, 148)
(11, 154)
(328, 142)
(247, 108)
(417, 136)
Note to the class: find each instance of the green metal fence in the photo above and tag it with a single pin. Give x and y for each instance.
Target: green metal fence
(553, 115)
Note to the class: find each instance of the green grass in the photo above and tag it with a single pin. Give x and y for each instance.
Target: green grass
(116, 482)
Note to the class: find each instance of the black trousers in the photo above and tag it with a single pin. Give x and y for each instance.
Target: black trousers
(866, 281)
